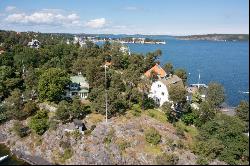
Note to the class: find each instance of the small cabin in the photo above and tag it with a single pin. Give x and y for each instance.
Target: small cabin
(79, 125)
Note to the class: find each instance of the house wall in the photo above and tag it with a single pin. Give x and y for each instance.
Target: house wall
(156, 90)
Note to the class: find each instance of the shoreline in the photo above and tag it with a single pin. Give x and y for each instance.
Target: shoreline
(32, 160)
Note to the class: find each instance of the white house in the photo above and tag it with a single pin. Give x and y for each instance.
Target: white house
(34, 44)
(125, 49)
(159, 90)
(78, 86)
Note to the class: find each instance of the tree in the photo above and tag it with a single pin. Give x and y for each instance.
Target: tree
(242, 111)
(148, 103)
(170, 113)
(196, 98)
(52, 83)
(169, 69)
(63, 111)
(215, 94)
(14, 105)
(8, 80)
(78, 110)
(30, 108)
(151, 58)
(182, 74)
(3, 114)
(177, 93)
(39, 123)
(206, 112)
(223, 138)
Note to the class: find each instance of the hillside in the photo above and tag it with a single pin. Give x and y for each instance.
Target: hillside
(121, 141)
(216, 37)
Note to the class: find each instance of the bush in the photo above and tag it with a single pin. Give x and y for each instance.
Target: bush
(76, 134)
(189, 118)
(201, 161)
(123, 145)
(87, 132)
(152, 136)
(167, 159)
(136, 110)
(30, 108)
(39, 122)
(148, 103)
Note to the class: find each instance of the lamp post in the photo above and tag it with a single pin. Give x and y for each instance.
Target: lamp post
(106, 95)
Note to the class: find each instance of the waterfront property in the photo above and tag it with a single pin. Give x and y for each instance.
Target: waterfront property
(156, 69)
(159, 90)
(78, 87)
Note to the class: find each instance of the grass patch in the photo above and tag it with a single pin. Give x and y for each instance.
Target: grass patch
(167, 159)
(59, 157)
(152, 136)
(95, 118)
(152, 149)
(136, 110)
(108, 139)
(156, 114)
(76, 135)
(123, 144)
(190, 130)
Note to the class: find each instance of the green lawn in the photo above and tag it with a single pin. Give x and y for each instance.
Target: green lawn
(156, 114)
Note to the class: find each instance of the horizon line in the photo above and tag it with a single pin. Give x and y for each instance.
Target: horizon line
(130, 34)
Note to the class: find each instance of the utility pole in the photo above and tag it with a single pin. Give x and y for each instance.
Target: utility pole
(106, 95)
(199, 79)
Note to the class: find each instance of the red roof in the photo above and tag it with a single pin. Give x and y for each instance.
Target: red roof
(157, 69)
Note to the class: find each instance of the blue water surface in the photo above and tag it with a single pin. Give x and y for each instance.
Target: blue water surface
(224, 62)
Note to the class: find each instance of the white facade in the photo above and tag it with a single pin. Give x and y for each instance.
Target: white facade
(78, 86)
(159, 92)
(34, 44)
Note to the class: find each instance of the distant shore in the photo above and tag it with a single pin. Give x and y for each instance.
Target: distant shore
(216, 37)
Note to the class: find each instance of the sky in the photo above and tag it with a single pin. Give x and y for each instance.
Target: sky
(153, 17)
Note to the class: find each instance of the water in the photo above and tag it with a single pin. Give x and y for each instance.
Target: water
(11, 160)
(224, 62)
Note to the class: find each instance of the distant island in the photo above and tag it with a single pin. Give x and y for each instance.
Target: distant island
(139, 40)
(216, 37)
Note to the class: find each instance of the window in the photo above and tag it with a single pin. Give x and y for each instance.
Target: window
(162, 93)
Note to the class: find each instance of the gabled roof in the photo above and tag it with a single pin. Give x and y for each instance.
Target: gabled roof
(78, 79)
(172, 80)
(157, 69)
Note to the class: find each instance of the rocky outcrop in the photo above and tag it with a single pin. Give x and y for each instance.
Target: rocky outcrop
(120, 141)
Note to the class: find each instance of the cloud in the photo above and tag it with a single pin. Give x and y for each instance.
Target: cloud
(10, 8)
(131, 8)
(44, 17)
(96, 23)
(135, 9)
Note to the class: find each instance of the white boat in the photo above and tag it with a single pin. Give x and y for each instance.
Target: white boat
(3, 158)
(243, 92)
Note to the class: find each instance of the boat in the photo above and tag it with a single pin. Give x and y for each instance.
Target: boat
(3, 158)
(244, 92)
